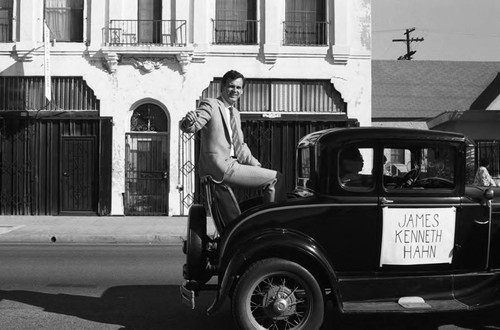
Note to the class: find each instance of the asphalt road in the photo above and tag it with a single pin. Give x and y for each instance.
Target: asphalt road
(97, 287)
(137, 287)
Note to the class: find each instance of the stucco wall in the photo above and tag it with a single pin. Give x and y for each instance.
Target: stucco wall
(346, 63)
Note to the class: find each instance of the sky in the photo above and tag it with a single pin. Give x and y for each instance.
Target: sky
(453, 30)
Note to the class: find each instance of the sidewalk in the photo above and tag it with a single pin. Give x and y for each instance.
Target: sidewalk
(94, 229)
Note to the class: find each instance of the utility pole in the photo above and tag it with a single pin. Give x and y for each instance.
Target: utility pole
(408, 40)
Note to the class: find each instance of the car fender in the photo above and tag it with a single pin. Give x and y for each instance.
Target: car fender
(271, 242)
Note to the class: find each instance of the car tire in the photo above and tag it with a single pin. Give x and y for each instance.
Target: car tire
(196, 240)
(278, 294)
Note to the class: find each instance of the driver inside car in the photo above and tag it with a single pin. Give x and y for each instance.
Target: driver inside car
(351, 164)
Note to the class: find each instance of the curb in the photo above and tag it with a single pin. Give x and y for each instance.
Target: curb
(95, 230)
(99, 239)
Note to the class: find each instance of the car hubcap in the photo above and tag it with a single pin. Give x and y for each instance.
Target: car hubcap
(279, 303)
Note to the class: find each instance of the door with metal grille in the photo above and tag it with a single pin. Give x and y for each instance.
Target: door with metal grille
(78, 184)
(146, 175)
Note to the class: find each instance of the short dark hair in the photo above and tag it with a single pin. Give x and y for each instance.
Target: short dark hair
(232, 75)
(351, 154)
(484, 162)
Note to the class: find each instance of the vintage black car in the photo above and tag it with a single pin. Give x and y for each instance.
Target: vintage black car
(381, 220)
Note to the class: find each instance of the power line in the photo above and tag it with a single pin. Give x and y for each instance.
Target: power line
(408, 41)
(445, 32)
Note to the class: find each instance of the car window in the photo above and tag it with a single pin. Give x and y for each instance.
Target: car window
(355, 168)
(420, 167)
(304, 167)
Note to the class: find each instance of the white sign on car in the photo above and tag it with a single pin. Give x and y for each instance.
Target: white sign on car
(417, 236)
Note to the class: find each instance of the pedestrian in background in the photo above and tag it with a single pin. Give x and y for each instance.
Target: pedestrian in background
(224, 154)
(483, 177)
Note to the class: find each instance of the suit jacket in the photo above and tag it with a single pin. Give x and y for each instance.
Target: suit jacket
(215, 150)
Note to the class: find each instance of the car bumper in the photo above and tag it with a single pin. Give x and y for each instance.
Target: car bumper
(187, 295)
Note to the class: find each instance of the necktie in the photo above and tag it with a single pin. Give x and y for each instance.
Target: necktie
(235, 137)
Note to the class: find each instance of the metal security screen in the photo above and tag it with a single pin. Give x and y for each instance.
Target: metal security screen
(27, 93)
(16, 166)
(78, 167)
(146, 175)
(51, 166)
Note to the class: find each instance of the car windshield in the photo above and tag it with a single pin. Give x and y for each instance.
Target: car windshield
(419, 167)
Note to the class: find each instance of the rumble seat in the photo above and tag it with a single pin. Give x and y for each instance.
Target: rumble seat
(220, 201)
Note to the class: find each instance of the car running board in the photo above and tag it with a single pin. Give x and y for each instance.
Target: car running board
(404, 304)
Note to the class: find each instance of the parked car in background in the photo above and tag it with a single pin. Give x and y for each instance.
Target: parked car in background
(371, 241)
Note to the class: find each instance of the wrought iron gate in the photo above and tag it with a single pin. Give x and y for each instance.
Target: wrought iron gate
(146, 175)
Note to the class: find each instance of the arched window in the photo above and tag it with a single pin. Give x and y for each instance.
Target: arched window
(149, 118)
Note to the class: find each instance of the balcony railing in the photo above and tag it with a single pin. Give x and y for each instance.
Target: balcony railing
(146, 32)
(235, 32)
(305, 33)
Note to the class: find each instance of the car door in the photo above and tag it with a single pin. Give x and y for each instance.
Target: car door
(351, 205)
(427, 226)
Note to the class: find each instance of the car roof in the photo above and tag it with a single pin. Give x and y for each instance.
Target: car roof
(341, 135)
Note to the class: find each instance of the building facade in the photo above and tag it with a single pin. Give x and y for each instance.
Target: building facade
(122, 73)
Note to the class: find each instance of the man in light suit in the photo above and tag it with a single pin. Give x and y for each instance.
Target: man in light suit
(223, 154)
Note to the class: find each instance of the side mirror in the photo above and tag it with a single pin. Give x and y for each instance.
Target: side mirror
(489, 194)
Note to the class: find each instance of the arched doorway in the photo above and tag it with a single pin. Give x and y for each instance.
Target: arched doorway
(147, 162)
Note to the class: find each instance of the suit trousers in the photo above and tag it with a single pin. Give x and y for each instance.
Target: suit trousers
(255, 177)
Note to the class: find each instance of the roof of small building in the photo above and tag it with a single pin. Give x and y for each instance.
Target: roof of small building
(341, 135)
(425, 89)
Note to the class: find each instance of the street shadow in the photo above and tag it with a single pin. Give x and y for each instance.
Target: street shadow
(152, 307)
(131, 307)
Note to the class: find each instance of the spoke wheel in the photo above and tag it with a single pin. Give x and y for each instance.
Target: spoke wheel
(278, 294)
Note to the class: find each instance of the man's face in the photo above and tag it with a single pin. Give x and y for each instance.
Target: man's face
(232, 90)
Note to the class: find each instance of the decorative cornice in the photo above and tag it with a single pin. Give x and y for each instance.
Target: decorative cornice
(271, 58)
(147, 64)
(199, 57)
(112, 60)
(146, 59)
(271, 53)
(341, 54)
(184, 59)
